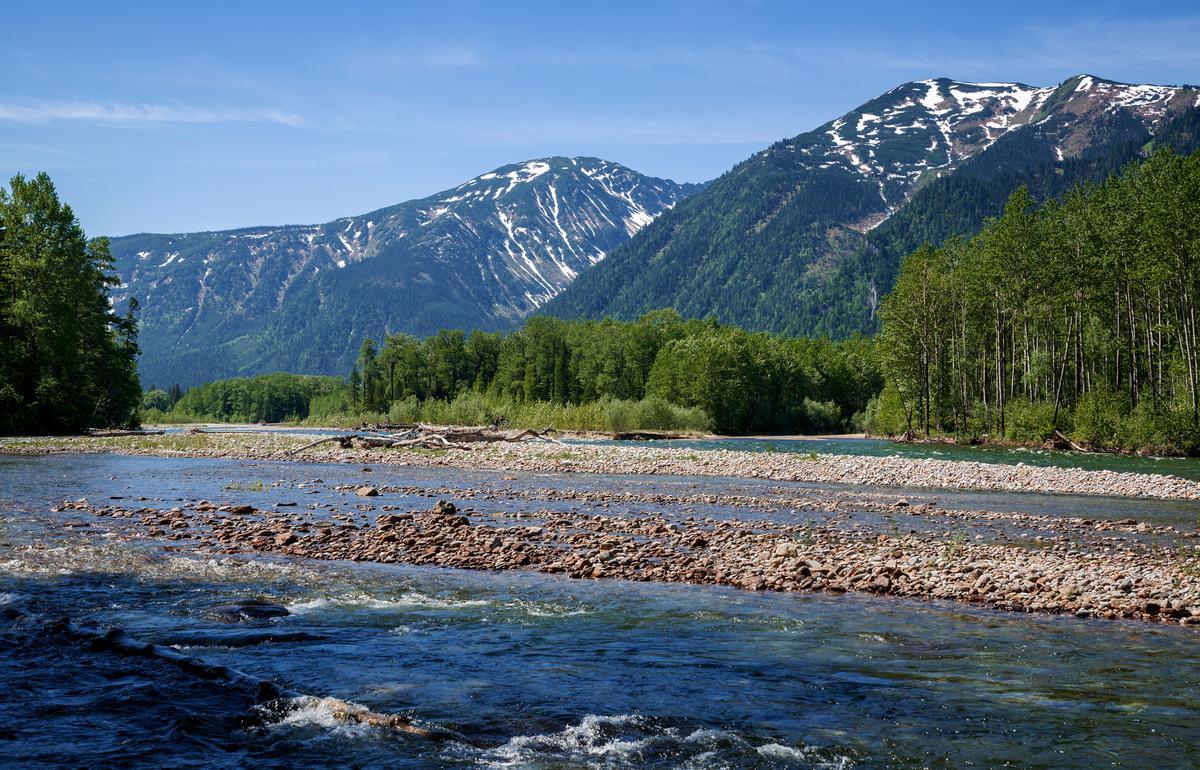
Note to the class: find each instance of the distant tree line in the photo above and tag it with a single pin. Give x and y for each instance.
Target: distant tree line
(67, 361)
(1079, 316)
(743, 382)
(161, 400)
(266, 398)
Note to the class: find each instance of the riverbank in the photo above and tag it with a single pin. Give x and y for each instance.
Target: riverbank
(1057, 443)
(543, 457)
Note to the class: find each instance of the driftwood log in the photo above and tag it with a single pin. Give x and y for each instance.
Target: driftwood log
(388, 426)
(1058, 441)
(647, 435)
(110, 432)
(432, 437)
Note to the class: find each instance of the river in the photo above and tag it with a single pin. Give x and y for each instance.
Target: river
(536, 670)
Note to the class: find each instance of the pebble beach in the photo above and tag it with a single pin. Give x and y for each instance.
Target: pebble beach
(1011, 561)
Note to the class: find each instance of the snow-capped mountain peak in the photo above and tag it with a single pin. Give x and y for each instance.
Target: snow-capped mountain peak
(481, 255)
(929, 126)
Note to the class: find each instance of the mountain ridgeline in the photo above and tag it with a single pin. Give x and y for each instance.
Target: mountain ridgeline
(802, 238)
(300, 298)
(806, 236)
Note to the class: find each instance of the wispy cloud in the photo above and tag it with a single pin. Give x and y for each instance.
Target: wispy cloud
(1129, 49)
(39, 148)
(1111, 46)
(431, 57)
(122, 114)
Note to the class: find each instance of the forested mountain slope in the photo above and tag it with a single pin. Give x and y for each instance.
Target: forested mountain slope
(805, 236)
(301, 298)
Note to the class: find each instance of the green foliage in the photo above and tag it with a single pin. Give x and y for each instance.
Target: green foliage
(885, 414)
(68, 359)
(267, 398)
(1076, 316)
(331, 402)
(158, 417)
(245, 486)
(1029, 421)
(1098, 417)
(657, 372)
(156, 399)
(822, 416)
(475, 408)
(405, 411)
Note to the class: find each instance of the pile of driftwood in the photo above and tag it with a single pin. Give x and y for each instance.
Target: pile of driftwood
(433, 437)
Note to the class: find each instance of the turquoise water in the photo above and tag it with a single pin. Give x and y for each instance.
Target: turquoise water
(1184, 467)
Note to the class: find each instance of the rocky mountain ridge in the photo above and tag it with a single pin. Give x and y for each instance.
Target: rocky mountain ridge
(482, 255)
(785, 241)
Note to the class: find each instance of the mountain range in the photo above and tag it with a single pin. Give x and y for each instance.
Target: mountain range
(301, 298)
(803, 237)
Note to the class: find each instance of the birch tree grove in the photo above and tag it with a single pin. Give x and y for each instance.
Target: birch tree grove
(1078, 317)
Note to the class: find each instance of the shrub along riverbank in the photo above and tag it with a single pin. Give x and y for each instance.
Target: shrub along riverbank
(471, 408)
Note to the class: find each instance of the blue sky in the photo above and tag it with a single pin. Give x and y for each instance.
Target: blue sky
(169, 117)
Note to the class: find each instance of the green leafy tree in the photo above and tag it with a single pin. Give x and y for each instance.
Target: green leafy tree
(1051, 315)
(68, 360)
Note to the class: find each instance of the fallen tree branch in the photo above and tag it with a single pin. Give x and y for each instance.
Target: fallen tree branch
(430, 437)
(343, 440)
(1057, 440)
(379, 427)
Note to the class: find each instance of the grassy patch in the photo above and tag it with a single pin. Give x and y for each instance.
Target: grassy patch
(954, 545)
(245, 486)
